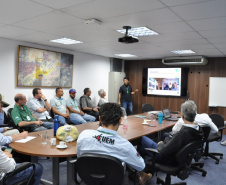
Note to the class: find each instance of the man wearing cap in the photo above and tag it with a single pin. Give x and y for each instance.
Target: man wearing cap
(39, 106)
(59, 107)
(77, 116)
(124, 96)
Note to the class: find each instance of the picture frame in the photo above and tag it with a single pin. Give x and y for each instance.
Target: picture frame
(43, 68)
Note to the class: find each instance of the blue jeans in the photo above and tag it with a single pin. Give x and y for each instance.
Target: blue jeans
(129, 105)
(62, 120)
(146, 143)
(24, 174)
(44, 126)
(79, 119)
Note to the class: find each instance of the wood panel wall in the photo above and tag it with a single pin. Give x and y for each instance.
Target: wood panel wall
(198, 85)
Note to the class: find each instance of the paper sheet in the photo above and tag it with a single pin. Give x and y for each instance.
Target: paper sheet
(25, 140)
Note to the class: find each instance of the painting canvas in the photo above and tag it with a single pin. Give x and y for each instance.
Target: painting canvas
(43, 68)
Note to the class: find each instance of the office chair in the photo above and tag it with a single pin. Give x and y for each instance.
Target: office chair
(28, 181)
(197, 165)
(98, 169)
(218, 120)
(147, 107)
(183, 158)
(12, 124)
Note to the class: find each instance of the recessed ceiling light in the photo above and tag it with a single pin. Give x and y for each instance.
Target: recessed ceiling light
(125, 55)
(139, 32)
(66, 41)
(183, 52)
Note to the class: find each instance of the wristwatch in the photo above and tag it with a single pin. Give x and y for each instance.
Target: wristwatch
(45, 99)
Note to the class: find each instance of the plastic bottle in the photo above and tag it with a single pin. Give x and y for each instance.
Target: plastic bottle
(56, 124)
(160, 117)
(125, 122)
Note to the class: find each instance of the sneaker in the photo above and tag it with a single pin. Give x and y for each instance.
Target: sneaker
(144, 177)
(223, 143)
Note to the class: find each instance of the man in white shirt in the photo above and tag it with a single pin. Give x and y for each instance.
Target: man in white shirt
(39, 106)
(105, 140)
(200, 119)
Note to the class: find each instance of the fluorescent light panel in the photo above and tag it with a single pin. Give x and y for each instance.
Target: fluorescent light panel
(66, 41)
(139, 32)
(183, 52)
(125, 55)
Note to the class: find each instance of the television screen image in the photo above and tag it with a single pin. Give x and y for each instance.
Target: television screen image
(164, 81)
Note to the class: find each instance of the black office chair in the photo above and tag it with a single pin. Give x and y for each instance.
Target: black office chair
(12, 124)
(218, 120)
(98, 169)
(183, 158)
(147, 107)
(198, 165)
(28, 181)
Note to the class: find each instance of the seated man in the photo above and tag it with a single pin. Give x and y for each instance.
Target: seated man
(188, 133)
(200, 119)
(8, 164)
(87, 104)
(39, 106)
(23, 117)
(105, 140)
(3, 121)
(77, 116)
(59, 106)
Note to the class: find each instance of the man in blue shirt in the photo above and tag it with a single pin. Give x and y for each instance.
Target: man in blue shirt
(124, 96)
(105, 140)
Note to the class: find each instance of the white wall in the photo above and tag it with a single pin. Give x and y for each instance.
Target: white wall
(88, 71)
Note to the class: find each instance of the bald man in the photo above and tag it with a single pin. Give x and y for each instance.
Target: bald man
(23, 117)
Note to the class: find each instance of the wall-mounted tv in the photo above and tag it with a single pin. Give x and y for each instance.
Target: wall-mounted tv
(165, 81)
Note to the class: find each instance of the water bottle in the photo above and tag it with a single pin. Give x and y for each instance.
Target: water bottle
(125, 122)
(160, 117)
(56, 124)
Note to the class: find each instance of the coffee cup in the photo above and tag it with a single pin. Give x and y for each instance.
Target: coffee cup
(62, 144)
(53, 141)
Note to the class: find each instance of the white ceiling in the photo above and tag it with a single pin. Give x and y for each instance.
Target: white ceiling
(199, 25)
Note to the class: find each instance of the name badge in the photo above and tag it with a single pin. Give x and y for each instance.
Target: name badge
(28, 118)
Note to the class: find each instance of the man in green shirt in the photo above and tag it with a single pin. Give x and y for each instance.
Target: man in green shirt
(23, 117)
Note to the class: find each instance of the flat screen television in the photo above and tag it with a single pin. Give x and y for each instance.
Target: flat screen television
(165, 81)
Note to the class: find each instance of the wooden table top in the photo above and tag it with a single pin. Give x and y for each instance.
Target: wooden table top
(135, 130)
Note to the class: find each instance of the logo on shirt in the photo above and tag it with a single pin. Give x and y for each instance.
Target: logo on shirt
(104, 139)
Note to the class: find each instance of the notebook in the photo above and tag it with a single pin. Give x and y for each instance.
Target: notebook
(167, 115)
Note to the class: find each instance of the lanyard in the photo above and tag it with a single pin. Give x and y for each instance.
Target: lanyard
(127, 89)
(106, 132)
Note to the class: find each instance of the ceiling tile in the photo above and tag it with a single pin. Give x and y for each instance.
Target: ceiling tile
(13, 11)
(107, 8)
(209, 24)
(13, 31)
(180, 2)
(52, 20)
(58, 4)
(208, 9)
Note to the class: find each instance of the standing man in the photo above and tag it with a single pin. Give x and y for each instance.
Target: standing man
(77, 116)
(59, 106)
(124, 96)
(23, 117)
(39, 106)
(87, 104)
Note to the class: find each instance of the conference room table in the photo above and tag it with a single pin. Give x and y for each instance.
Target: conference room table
(35, 148)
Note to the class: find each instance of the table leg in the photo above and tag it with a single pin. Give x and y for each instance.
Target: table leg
(55, 170)
(70, 172)
(159, 136)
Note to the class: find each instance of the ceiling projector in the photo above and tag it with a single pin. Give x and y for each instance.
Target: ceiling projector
(127, 39)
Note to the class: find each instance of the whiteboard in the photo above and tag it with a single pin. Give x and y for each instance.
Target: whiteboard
(217, 92)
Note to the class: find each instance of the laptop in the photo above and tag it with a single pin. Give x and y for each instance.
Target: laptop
(167, 115)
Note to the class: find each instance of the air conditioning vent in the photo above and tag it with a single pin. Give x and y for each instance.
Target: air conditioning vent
(193, 60)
